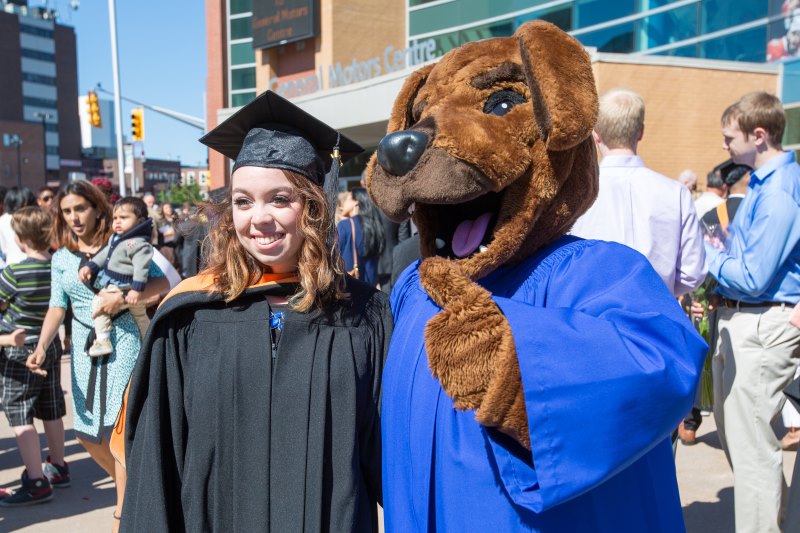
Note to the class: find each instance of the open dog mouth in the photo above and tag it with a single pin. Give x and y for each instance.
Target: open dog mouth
(463, 229)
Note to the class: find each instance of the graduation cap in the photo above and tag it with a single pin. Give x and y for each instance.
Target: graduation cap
(271, 132)
(726, 172)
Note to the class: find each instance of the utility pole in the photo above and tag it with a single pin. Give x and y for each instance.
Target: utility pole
(18, 143)
(45, 117)
(112, 18)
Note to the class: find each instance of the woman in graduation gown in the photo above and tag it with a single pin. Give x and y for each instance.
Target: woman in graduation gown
(255, 402)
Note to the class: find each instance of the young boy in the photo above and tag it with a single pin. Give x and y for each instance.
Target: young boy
(25, 287)
(122, 263)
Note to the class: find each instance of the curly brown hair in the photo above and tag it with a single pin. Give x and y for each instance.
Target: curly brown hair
(320, 267)
(62, 236)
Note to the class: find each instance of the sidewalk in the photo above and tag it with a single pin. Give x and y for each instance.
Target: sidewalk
(705, 481)
(86, 506)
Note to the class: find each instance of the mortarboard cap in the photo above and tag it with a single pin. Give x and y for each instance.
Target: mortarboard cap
(272, 132)
(726, 173)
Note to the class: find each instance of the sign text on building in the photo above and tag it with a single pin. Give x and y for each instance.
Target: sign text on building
(279, 22)
(344, 74)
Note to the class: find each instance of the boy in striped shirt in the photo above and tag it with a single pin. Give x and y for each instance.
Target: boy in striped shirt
(25, 288)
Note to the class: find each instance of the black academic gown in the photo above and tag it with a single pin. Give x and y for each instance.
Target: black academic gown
(222, 436)
(791, 521)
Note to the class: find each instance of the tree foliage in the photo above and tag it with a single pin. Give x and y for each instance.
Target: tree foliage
(177, 194)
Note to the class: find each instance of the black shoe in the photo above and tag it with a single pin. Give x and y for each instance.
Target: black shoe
(58, 476)
(31, 492)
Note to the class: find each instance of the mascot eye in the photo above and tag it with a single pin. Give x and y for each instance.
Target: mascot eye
(502, 102)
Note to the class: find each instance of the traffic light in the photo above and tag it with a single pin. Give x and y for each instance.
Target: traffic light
(137, 123)
(94, 110)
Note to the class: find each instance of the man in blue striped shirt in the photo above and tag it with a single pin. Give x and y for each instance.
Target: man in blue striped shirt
(758, 270)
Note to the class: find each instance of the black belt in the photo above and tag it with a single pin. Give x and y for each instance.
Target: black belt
(736, 304)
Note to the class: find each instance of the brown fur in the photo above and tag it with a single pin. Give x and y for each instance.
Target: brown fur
(539, 156)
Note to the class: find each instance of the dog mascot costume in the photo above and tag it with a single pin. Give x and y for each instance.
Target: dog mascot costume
(533, 378)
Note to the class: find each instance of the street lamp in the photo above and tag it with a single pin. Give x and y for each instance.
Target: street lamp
(45, 117)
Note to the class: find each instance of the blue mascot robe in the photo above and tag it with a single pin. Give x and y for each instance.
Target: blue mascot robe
(609, 366)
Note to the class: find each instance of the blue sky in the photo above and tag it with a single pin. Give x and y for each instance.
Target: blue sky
(162, 52)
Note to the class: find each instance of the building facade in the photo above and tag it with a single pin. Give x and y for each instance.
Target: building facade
(708, 29)
(345, 60)
(39, 86)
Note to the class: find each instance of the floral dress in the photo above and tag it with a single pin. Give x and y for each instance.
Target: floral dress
(98, 383)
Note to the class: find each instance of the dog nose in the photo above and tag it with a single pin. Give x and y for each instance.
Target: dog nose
(398, 152)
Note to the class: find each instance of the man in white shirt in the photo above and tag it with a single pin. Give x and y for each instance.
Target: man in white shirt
(638, 207)
(715, 194)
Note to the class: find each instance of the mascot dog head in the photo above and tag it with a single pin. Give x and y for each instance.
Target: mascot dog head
(490, 148)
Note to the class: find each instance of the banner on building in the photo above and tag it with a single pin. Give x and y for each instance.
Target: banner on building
(783, 38)
(277, 22)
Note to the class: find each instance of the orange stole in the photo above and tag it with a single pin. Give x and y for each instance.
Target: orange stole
(201, 282)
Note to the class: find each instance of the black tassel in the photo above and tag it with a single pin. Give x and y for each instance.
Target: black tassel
(331, 189)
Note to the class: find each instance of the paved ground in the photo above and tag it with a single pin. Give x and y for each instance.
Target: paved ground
(704, 477)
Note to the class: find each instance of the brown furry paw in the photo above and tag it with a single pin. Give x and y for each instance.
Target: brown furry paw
(471, 350)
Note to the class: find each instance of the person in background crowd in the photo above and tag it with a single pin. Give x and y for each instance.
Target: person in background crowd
(25, 287)
(640, 208)
(193, 230)
(81, 227)
(688, 179)
(735, 178)
(168, 238)
(44, 198)
(360, 236)
(758, 273)
(152, 209)
(341, 198)
(16, 198)
(211, 443)
(105, 185)
(715, 194)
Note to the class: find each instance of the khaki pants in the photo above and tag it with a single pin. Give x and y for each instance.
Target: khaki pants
(102, 323)
(756, 356)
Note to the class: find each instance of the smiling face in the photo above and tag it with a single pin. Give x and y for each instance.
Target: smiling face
(80, 215)
(266, 213)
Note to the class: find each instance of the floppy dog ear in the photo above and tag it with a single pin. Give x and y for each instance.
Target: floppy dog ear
(401, 118)
(559, 74)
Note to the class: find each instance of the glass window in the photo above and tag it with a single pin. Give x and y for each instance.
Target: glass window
(792, 133)
(591, 12)
(238, 100)
(241, 6)
(241, 28)
(36, 54)
(721, 14)
(790, 92)
(668, 27)
(683, 51)
(243, 78)
(561, 17)
(748, 45)
(242, 54)
(618, 39)
(447, 15)
(35, 30)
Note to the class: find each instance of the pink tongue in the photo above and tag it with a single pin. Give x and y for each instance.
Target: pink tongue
(469, 234)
